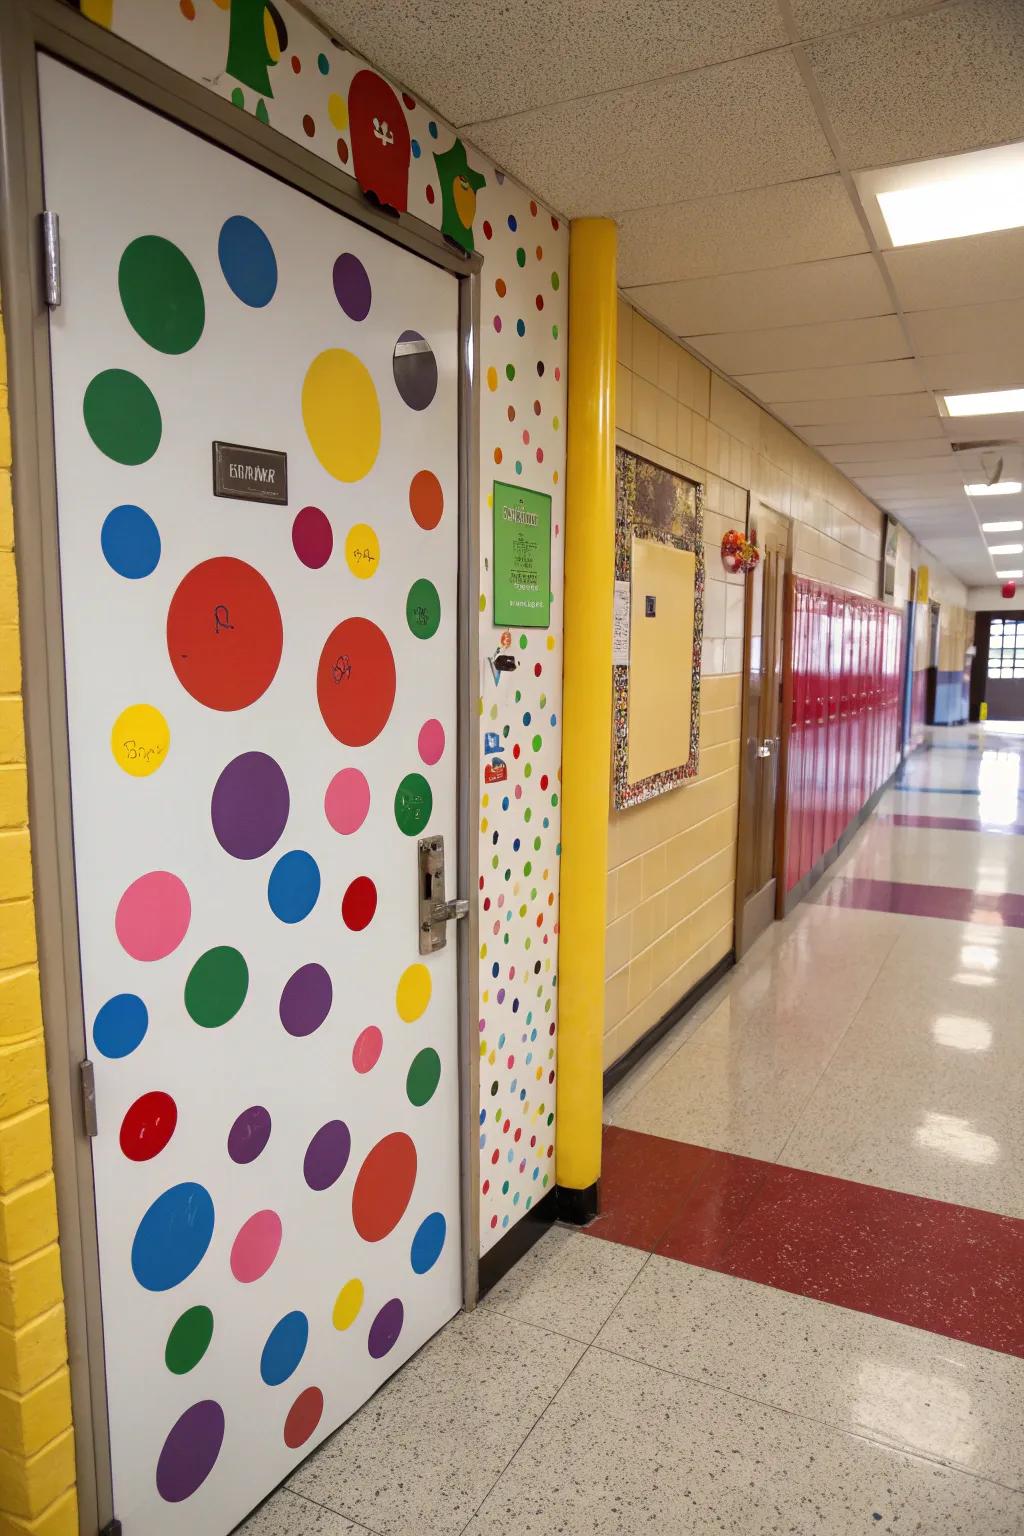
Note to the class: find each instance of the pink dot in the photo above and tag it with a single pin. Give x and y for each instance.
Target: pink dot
(367, 1049)
(256, 1246)
(347, 800)
(153, 915)
(312, 537)
(431, 741)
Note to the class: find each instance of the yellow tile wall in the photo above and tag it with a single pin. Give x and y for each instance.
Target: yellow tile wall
(37, 1461)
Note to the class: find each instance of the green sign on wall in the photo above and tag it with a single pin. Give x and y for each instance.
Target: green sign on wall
(522, 557)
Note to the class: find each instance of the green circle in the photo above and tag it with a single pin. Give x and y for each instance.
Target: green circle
(521, 257)
(238, 97)
(424, 1076)
(423, 609)
(523, 642)
(510, 372)
(554, 331)
(216, 987)
(555, 281)
(536, 743)
(413, 804)
(161, 294)
(189, 1340)
(122, 417)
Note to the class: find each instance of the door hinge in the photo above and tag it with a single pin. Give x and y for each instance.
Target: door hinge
(113, 1528)
(87, 1076)
(51, 259)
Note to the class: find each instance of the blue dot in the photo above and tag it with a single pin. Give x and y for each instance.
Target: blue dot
(294, 886)
(428, 1242)
(285, 1347)
(521, 327)
(527, 717)
(515, 1006)
(494, 839)
(504, 1221)
(172, 1237)
(501, 1042)
(554, 719)
(432, 129)
(513, 226)
(515, 845)
(415, 147)
(504, 802)
(130, 542)
(483, 1116)
(494, 968)
(322, 63)
(120, 1025)
(536, 1173)
(247, 260)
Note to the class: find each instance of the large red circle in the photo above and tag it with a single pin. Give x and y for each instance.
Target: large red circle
(224, 633)
(359, 903)
(148, 1126)
(383, 1186)
(303, 1417)
(355, 682)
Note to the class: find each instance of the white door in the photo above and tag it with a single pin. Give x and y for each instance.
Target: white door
(262, 717)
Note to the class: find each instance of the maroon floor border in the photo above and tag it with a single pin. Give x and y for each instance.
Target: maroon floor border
(948, 1269)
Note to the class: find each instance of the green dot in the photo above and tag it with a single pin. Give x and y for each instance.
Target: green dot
(521, 257)
(238, 97)
(556, 281)
(161, 294)
(554, 331)
(536, 845)
(189, 1340)
(510, 372)
(122, 417)
(216, 987)
(527, 868)
(413, 804)
(261, 112)
(483, 602)
(523, 642)
(527, 814)
(554, 799)
(536, 743)
(424, 1076)
(423, 609)
(527, 770)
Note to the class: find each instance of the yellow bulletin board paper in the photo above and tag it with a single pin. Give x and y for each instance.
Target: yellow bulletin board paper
(663, 581)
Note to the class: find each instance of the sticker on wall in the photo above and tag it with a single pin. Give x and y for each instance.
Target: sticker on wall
(459, 187)
(496, 772)
(522, 556)
(381, 143)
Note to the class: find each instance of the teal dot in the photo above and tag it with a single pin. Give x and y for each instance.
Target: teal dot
(519, 466)
(322, 63)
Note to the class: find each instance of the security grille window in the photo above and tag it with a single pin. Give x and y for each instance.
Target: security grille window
(1006, 648)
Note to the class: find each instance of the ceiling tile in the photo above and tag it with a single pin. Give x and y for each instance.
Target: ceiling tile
(879, 436)
(858, 454)
(804, 346)
(742, 124)
(901, 467)
(795, 221)
(880, 408)
(932, 84)
(844, 289)
(981, 269)
(468, 57)
(957, 373)
(814, 17)
(997, 329)
(834, 383)
(963, 429)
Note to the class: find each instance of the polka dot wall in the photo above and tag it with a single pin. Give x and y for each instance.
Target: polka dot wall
(303, 87)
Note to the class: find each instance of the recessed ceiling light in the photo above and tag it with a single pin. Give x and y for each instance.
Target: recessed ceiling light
(1006, 549)
(947, 199)
(1010, 527)
(1009, 575)
(1001, 488)
(991, 402)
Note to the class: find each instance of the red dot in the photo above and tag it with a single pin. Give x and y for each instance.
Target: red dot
(533, 208)
(488, 231)
(355, 682)
(515, 750)
(494, 1221)
(308, 126)
(303, 1417)
(526, 438)
(296, 64)
(540, 455)
(543, 781)
(518, 1134)
(359, 903)
(485, 1186)
(410, 101)
(511, 413)
(343, 152)
(494, 1155)
(505, 1127)
(224, 633)
(487, 899)
(384, 1186)
(537, 669)
(558, 374)
(554, 222)
(540, 301)
(148, 1126)
(430, 194)
(426, 499)
(536, 407)
(540, 253)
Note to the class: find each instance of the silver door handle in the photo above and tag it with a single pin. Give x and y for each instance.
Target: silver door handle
(435, 912)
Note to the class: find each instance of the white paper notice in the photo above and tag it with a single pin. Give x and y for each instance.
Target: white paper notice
(620, 625)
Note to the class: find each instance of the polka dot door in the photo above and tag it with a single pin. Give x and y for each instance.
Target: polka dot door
(262, 718)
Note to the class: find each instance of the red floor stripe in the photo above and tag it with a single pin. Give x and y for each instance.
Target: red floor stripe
(1004, 909)
(944, 1268)
(948, 823)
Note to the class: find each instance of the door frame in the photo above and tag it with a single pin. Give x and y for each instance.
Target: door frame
(52, 27)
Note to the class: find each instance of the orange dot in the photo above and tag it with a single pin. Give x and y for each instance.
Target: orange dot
(426, 499)
(540, 253)
(500, 288)
(187, 9)
(497, 455)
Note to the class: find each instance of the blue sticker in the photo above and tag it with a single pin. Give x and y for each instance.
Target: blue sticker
(428, 1243)
(130, 542)
(294, 886)
(120, 1026)
(172, 1237)
(284, 1348)
(248, 262)
(492, 743)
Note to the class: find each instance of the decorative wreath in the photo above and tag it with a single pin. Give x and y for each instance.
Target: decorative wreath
(738, 552)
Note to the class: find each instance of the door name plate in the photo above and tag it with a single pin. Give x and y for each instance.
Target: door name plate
(250, 474)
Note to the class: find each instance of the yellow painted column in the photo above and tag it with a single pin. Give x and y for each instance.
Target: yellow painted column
(586, 711)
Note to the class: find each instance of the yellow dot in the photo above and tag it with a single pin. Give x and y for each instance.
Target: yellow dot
(413, 992)
(362, 551)
(485, 801)
(337, 111)
(485, 997)
(551, 642)
(483, 602)
(554, 478)
(140, 740)
(341, 414)
(270, 36)
(348, 1305)
(483, 1047)
(492, 378)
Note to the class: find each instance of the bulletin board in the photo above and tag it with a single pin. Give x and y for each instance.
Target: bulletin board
(659, 628)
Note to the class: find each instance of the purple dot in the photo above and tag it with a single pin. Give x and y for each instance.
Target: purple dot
(497, 322)
(327, 1155)
(385, 1328)
(249, 1134)
(190, 1451)
(312, 537)
(352, 286)
(306, 1000)
(249, 807)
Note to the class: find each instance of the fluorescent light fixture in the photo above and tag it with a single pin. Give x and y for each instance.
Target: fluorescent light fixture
(991, 402)
(1011, 527)
(1000, 488)
(1010, 575)
(953, 197)
(1006, 549)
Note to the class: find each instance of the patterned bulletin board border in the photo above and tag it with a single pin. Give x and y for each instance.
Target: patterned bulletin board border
(655, 503)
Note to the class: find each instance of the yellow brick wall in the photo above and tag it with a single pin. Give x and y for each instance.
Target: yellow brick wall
(37, 1461)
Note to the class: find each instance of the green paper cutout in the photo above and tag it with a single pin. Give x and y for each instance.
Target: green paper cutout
(459, 186)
